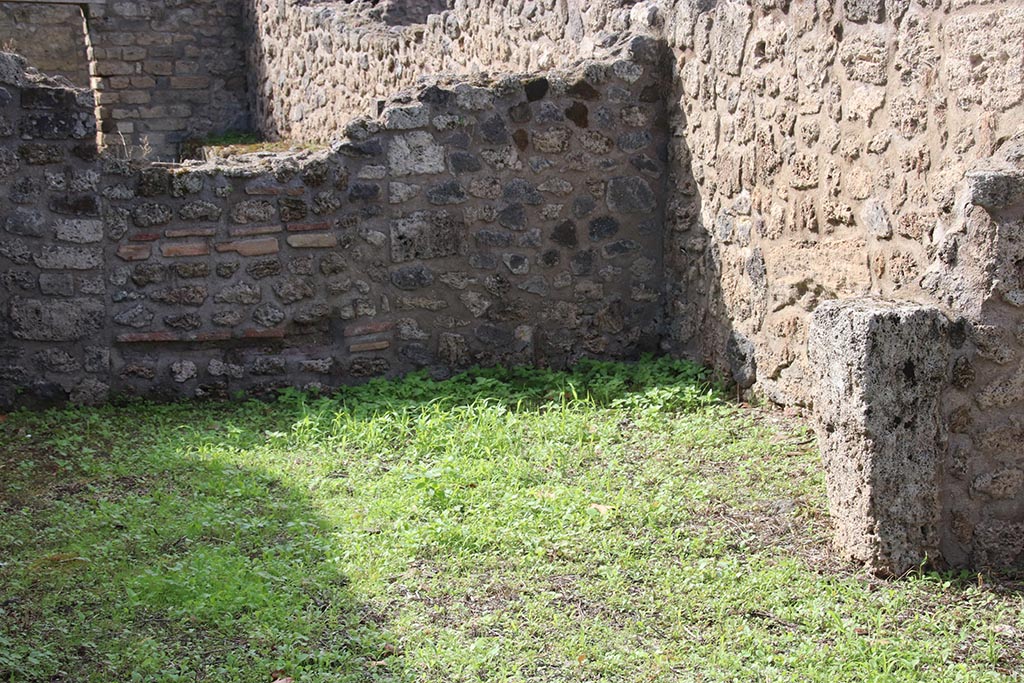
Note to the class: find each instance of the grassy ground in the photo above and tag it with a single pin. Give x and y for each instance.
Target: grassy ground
(616, 524)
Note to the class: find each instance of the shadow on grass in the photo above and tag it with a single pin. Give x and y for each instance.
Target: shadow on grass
(146, 543)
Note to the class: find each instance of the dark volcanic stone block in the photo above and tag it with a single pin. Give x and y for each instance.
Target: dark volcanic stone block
(412, 277)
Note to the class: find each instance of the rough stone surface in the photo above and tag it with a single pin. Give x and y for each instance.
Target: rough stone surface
(58, 320)
(155, 93)
(415, 154)
(880, 369)
(438, 214)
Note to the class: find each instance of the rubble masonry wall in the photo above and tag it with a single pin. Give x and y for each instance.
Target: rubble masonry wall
(512, 220)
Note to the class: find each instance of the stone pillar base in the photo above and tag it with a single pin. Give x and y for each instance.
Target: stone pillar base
(879, 371)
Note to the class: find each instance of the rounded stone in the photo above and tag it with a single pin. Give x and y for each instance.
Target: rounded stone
(183, 370)
(268, 315)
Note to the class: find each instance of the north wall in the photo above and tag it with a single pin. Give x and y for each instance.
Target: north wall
(511, 220)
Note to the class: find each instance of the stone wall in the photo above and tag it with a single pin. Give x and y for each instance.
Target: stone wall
(920, 409)
(167, 72)
(51, 37)
(863, 148)
(54, 340)
(828, 142)
(514, 220)
(978, 277)
(313, 66)
(164, 74)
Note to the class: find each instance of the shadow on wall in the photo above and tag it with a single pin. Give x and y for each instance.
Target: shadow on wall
(404, 12)
(699, 323)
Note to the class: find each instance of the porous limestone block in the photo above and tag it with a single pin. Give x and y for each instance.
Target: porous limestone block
(995, 188)
(879, 370)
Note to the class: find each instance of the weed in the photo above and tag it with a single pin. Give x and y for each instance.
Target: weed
(129, 152)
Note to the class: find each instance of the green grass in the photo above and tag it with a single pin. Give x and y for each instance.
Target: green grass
(617, 523)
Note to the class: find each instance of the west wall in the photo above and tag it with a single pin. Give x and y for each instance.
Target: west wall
(514, 220)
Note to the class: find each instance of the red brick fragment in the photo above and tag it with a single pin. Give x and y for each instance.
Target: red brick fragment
(269, 333)
(144, 237)
(134, 252)
(249, 231)
(317, 241)
(144, 337)
(185, 249)
(190, 232)
(214, 336)
(306, 227)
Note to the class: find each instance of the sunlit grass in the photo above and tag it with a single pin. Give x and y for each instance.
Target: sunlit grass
(617, 523)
